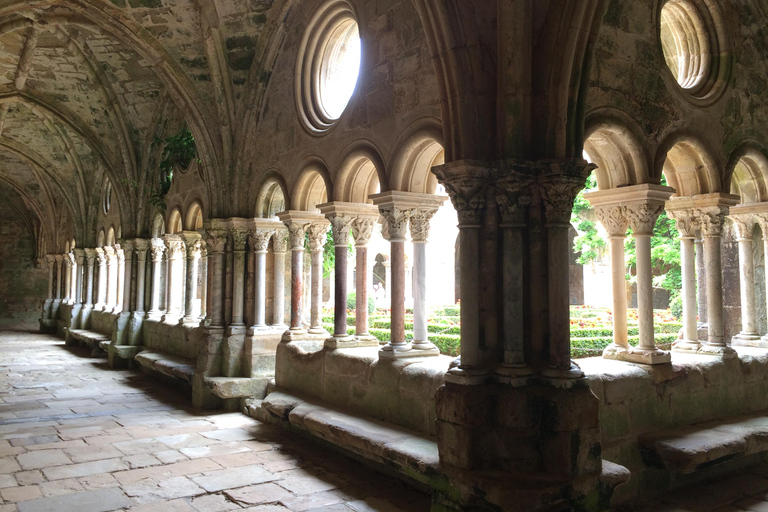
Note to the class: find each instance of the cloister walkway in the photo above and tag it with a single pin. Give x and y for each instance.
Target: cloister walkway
(75, 437)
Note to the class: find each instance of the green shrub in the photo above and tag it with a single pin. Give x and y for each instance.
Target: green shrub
(448, 345)
(452, 311)
(676, 306)
(668, 328)
(352, 303)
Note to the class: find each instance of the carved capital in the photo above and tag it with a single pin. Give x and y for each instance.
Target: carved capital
(512, 191)
(259, 240)
(561, 182)
(296, 233)
(70, 259)
(158, 248)
(317, 236)
(195, 249)
(395, 223)
(362, 230)
(239, 238)
(711, 220)
(685, 221)
(110, 254)
(215, 240)
(744, 226)
(614, 219)
(128, 245)
(79, 256)
(467, 187)
(90, 256)
(59, 259)
(101, 258)
(141, 244)
(280, 241)
(341, 225)
(420, 219)
(51, 259)
(642, 217)
(176, 249)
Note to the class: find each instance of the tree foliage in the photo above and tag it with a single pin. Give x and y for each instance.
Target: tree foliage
(589, 242)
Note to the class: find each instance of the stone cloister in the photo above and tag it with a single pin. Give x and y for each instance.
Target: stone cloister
(172, 173)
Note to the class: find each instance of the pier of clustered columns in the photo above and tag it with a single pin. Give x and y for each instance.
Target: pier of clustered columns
(216, 241)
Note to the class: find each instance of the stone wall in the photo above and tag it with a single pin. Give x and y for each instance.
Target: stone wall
(23, 288)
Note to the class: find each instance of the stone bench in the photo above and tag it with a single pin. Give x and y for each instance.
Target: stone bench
(689, 449)
(166, 364)
(91, 339)
(238, 387)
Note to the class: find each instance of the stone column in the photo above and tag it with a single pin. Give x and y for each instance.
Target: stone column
(711, 219)
(317, 237)
(127, 279)
(642, 219)
(762, 219)
(239, 238)
(467, 190)
(701, 282)
(51, 259)
(111, 295)
(80, 261)
(216, 241)
(47, 305)
(297, 232)
(67, 261)
(362, 230)
(614, 220)
(59, 260)
(419, 223)
(120, 278)
(90, 258)
(558, 188)
(744, 225)
(157, 248)
(175, 252)
(101, 295)
(258, 240)
(204, 280)
(279, 248)
(194, 246)
(687, 226)
(396, 226)
(141, 272)
(341, 225)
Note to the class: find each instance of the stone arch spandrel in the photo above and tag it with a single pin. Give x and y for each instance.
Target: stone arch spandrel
(272, 191)
(312, 187)
(747, 174)
(360, 173)
(688, 166)
(618, 154)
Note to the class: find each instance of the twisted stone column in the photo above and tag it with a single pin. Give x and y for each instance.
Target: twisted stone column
(157, 249)
(744, 225)
(419, 222)
(259, 242)
(194, 245)
(687, 225)
(141, 272)
(279, 248)
(317, 236)
(101, 295)
(642, 219)
(362, 230)
(175, 252)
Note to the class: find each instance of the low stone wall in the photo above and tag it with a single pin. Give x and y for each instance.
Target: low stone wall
(639, 400)
(175, 339)
(401, 392)
(101, 321)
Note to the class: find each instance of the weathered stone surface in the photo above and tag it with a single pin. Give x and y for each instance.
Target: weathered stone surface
(100, 500)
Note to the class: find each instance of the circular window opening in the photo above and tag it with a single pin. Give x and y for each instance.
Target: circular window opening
(107, 198)
(339, 68)
(328, 66)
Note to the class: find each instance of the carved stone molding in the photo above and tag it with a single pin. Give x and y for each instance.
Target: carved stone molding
(614, 219)
(744, 226)
(341, 225)
(396, 223)
(110, 255)
(559, 185)
(317, 232)
(158, 248)
(467, 187)
(711, 220)
(420, 220)
(239, 238)
(195, 249)
(297, 232)
(512, 190)
(362, 230)
(215, 240)
(280, 241)
(642, 217)
(176, 249)
(101, 258)
(685, 221)
(90, 256)
(258, 240)
(51, 259)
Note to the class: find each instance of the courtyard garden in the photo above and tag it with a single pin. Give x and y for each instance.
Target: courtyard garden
(591, 328)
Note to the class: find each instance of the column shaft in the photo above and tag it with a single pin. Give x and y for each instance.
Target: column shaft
(688, 267)
(317, 292)
(747, 275)
(712, 255)
(618, 281)
(397, 322)
(260, 289)
(340, 309)
(297, 287)
(278, 299)
(419, 292)
(645, 291)
(559, 301)
(361, 294)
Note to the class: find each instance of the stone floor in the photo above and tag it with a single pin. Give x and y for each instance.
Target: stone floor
(77, 436)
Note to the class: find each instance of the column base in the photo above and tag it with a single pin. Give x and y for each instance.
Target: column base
(294, 334)
(722, 351)
(191, 320)
(749, 339)
(319, 330)
(686, 346)
(466, 376)
(171, 319)
(367, 338)
(390, 351)
(513, 375)
(256, 330)
(155, 316)
(425, 348)
(235, 330)
(574, 372)
(279, 327)
(336, 342)
(636, 354)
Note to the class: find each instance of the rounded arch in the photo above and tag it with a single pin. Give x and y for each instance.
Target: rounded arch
(313, 186)
(420, 149)
(361, 173)
(72, 244)
(272, 196)
(688, 166)
(193, 220)
(615, 149)
(110, 240)
(747, 174)
(101, 238)
(67, 247)
(158, 226)
(175, 224)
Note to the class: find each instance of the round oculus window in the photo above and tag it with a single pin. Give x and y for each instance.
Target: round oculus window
(328, 66)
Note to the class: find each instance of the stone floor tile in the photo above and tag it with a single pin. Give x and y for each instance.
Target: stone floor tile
(141, 461)
(91, 453)
(27, 441)
(373, 505)
(170, 456)
(267, 508)
(8, 465)
(101, 500)
(10, 507)
(185, 440)
(12, 450)
(57, 444)
(232, 478)
(7, 481)
(213, 503)
(235, 460)
(98, 481)
(84, 469)
(299, 481)
(29, 477)
(59, 487)
(104, 440)
(188, 467)
(310, 501)
(258, 494)
(149, 491)
(229, 434)
(22, 493)
(213, 450)
(179, 505)
(339, 507)
(139, 446)
(42, 459)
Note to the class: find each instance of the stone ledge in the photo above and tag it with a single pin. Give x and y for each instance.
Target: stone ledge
(409, 453)
(166, 364)
(90, 338)
(238, 387)
(690, 449)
